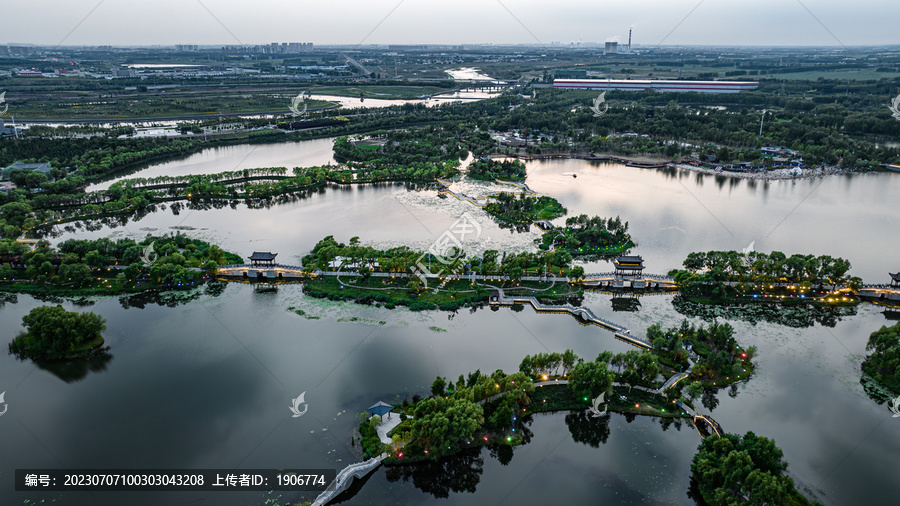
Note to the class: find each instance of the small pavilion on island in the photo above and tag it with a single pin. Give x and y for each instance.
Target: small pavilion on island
(629, 267)
(895, 280)
(263, 259)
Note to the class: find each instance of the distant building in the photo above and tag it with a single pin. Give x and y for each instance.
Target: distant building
(777, 151)
(272, 48)
(263, 259)
(628, 266)
(297, 47)
(611, 48)
(43, 168)
(123, 72)
(20, 50)
(4, 131)
(408, 47)
(656, 85)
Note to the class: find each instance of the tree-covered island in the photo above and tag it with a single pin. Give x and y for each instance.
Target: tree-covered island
(480, 409)
(731, 276)
(487, 169)
(583, 235)
(733, 470)
(523, 209)
(104, 266)
(388, 276)
(52, 333)
(883, 364)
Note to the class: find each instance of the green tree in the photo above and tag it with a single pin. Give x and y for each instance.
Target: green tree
(589, 379)
(736, 470)
(441, 425)
(693, 390)
(884, 362)
(54, 333)
(95, 260)
(438, 386)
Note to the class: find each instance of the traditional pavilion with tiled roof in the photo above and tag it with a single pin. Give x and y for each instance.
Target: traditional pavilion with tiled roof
(629, 266)
(263, 259)
(895, 280)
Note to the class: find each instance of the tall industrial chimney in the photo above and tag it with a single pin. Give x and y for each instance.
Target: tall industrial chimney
(629, 40)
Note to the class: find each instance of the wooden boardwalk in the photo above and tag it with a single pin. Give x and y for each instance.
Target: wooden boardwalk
(583, 313)
(712, 424)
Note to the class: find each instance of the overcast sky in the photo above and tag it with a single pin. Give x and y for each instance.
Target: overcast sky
(712, 22)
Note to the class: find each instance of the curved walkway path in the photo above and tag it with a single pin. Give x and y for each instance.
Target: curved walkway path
(345, 478)
(586, 314)
(712, 424)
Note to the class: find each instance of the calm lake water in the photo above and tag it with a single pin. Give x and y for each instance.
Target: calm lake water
(207, 383)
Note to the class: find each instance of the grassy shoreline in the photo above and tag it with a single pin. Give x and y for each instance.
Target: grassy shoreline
(392, 292)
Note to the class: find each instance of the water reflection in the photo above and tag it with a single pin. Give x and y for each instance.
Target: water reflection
(790, 316)
(458, 473)
(587, 429)
(710, 399)
(502, 453)
(628, 304)
(172, 298)
(77, 370)
(665, 423)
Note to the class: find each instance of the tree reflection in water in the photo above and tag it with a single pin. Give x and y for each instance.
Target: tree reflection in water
(587, 429)
(457, 473)
(709, 399)
(76, 370)
(789, 316)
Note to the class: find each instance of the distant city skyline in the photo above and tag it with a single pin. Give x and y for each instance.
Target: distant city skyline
(230, 22)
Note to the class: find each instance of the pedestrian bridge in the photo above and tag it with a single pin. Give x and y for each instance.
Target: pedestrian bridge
(344, 478)
(610, 280)
(583, 315)
(708, 422)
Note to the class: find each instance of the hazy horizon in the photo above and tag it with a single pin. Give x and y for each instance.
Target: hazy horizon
(767, 23)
